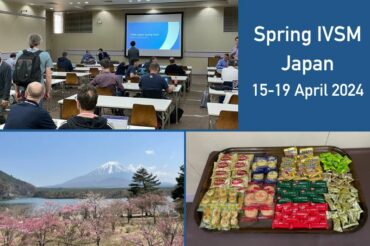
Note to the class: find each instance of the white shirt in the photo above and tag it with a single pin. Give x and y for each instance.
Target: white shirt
(230, 74)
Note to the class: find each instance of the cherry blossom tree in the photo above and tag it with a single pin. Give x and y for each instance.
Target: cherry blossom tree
(154, 200)
(95, 217)
(72, 229)
(171, 231)
(9, 227)
(41, 228)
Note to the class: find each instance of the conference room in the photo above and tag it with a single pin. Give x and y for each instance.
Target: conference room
(122, 64)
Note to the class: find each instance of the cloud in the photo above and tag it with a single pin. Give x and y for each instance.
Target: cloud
(149, 152)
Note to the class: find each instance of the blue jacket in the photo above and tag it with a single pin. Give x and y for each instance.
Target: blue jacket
(28, 115)
(221, 64)
(65, 64)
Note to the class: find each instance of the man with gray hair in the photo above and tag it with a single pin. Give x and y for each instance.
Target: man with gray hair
(28, 114)
(31, 65)
(5, 85)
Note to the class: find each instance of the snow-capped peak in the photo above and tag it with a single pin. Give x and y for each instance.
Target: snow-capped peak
(112, 167)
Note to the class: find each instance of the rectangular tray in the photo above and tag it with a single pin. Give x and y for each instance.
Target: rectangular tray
(266, 226)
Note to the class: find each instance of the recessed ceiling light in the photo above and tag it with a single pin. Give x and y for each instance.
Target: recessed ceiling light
(86, 2)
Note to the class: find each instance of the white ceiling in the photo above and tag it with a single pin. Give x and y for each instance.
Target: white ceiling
(62, 5)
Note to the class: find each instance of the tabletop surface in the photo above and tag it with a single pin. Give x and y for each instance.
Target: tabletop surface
(64, 74)
(135, 87)
(196, 236)
(214, 109)
(222, 93)
(160, 105)
(215, 80)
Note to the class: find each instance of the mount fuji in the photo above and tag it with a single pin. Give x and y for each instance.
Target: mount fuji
(109, 175)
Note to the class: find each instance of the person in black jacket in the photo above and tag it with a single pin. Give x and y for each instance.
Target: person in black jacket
(87, 98)
(5, 85)
(28, 114)
(174, 69)
(121, 69)
(103, 55)
(64, 63)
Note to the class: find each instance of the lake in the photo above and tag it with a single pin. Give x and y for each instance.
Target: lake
(37, 203)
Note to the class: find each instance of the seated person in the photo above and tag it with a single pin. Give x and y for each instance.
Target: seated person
(103, 55)
(107, 79)
(28, 114)
(153, 84)
(87, 98)
(223, 63)
(87, 58)
(132, 69)
(64, 63)
(174, 69)
(121, 69)
(230, 78)
(147, 64)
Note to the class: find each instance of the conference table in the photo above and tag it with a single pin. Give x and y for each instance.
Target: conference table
(64, 74)
(218, 93)
(215, 80)
(211, 69)
(161, 106)
(85, 69)
(180, 79)
(59, 123)
(81, 76)
(214, 110)
(134, 87)
(211, 73)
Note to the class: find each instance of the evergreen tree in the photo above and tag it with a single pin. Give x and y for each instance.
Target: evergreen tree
(178, 192)
(143, 182)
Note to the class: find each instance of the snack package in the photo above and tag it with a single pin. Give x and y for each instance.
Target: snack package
(300, 216)
(288, 169)
(291, 152)
(306, 151)
(225, 157)
(220, 183)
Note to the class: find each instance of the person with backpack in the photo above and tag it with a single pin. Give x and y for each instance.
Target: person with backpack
(31, 65)
(5, 85)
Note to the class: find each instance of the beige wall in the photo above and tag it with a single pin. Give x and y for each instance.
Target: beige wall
(203, 32)
(15, 28)
(200, 144)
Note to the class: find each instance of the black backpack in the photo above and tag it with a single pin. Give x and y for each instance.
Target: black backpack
(27, 68)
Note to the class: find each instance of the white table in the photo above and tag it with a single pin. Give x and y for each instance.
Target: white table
(176, 92)
(64, 74)
(214, 110)
(211, 73)
(211, 69)
(161, 106)
(215, 80)
(57, 81)
(226, 94)
(164, 66)
(59, 122)
(85, 69)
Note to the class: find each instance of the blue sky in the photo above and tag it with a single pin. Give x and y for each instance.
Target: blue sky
(51, 158)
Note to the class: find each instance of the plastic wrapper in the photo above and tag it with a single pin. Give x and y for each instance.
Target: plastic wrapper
(291, 152)
(300, 216)
(220, 183)
(335, 162)
(343, 201)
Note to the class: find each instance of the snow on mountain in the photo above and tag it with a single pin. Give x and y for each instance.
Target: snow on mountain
(109, 175)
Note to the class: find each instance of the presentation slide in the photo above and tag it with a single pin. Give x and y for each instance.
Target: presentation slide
(157, 35)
